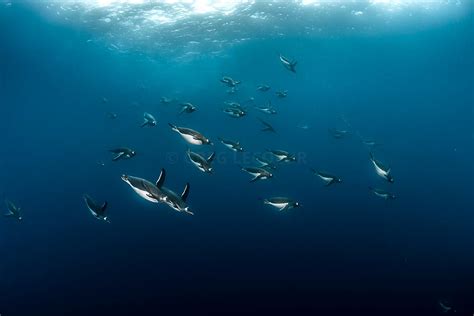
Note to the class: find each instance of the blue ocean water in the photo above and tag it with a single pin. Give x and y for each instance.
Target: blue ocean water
(344, 251)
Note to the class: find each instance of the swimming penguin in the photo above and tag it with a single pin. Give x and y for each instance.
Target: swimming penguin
(145, 188)
(96, 209)
(282, 203)
(268, 127)
(282, 94)
(187, 108)
(267, 109)
(148, 120)
(228, 81)
(444, 307)
(326, 177)
(191, 136)
(165, 100)
(235, 112)
(122, 153)
(169, 197)
(288, 64)
(263, 88)
(112, 115)
(382, 193)
(282, 155)
(381, 170)
(371, 143)
(303, 126)
(265, 163)
(13, 211)
(337, 133)
(200, 162)
(232, 90)
(234, 146)
(258, 173)
(105, 100)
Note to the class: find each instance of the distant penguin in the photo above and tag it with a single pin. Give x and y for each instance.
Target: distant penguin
(122, 153)
(232, 145)
(112, 115)
(200, 162)
(282, 94)
(228, 81)
(145, 188)
(258, 173)
(267, 126)
(13, 211)
(148, 120)
(381, 170)
(282, 155)
(282, 203)
(263, 88)
(326, 177)
(191, 136)
(337, 133)
(382, 193)
(165, 100)
(288, 64)
(234, 112)
(187, 108)
(267, 109)
(96, 209)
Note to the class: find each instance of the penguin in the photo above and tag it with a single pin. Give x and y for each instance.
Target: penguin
(112, 115)
(267, 126)
(265, 163)
(169, 197)
(232, 145)
(148, 120)
(96, 209)
(258, 173)
(187, 108)
(200, 162)
(267, 109)
(165, 100)
(13, 211)
(145, 188)
(232, 90)
(191, 136)
(282, 94)
(263, 88)
(381, 170)
(228, 81)
(288, 64)
(382, 193)
(123, 153)
(235, 112)
(282, 203)
(326, 177)
(282, 156)
(338, 134)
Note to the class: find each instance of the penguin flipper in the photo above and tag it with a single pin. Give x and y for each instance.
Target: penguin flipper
(8, 214)
(119, 155)
(211, 157)
(104, 206)
(185, 193)
(255, 179)
(161, 178)
(144, 124)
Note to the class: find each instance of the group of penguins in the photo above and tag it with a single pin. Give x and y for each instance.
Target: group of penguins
(158, 193)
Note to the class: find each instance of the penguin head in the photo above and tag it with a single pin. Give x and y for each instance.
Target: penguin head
(339, 180)
(390, 179)
(297, 204)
